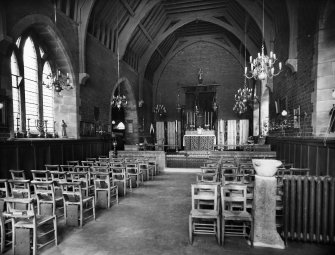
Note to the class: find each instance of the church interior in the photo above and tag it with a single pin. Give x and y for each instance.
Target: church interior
(150, 126)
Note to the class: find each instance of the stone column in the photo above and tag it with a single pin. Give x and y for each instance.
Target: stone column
(265, 232)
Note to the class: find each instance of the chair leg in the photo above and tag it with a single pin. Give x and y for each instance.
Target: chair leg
(218, 230)
(35, 240)
(109, 198)
(252, 234)
(93, 205)
(81, 215)
(222, 230)
(55, 231)
(190, 229)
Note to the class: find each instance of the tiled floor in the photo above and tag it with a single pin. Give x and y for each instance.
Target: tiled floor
(153, 219)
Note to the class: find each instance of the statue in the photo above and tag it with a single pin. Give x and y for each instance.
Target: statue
(200, 73)
(64, 129)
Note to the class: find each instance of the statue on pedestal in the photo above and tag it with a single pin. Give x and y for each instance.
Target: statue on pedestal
(200, 73)
(64, 135)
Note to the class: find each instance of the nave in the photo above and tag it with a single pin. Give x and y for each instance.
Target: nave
(153, 219)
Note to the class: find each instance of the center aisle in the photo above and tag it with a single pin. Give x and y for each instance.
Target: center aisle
(153, 220)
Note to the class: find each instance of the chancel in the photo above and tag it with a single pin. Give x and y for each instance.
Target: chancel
(167, 127)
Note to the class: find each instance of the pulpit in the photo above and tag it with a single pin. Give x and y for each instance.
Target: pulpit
(199, 140)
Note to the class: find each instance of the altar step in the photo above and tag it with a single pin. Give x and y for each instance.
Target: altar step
(181, 170)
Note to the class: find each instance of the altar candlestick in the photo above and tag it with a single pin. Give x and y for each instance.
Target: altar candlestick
(211, 118)
(176, 126)
(205, 118)
(194, 119)
(186, 118)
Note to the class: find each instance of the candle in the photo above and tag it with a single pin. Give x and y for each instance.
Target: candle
(279, 65)
(194, 119)
(245, 70)
(211, 118)
(208, 118)
(250, 59)
(205, 118)
(186, 118)
(176, 126)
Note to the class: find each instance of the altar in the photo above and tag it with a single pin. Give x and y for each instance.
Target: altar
(199, 140)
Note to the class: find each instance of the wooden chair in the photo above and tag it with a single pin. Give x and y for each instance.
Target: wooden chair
(52, 167)
(134, 173)
(104, 183)
(235, 218)
(73, 197)
(84, 178)
(4, 192)
(230, 175)
(41, 175)
(5, 223)
(27, 219)
(119, 175)
(45, 194)
(152, 162)
(204, 217)
(143, 167)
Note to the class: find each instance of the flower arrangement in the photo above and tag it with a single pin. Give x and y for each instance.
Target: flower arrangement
(160, 110)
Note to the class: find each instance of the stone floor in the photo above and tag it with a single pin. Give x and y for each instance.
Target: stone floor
(153, 219)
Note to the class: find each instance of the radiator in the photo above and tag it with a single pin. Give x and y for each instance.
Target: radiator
(309, 208)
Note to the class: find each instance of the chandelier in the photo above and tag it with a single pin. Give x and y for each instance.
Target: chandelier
(58, 82)
(242, 99)
(119, 100)
(262, 67)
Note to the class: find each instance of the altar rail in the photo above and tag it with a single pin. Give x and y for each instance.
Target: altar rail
(309, 153)
(309, 206)
(27, 154)
(195, 159)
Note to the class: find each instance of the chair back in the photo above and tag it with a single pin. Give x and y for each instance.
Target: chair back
(58, 176)
(4, 192)
(100, 169)
(20, 188)
(44, 190)
(101, 163)
(205, 197)
(234, 198)
(66, 168)
(52, 167)
(79, 168)
(91, 159)
(72, 162)
(87, 163)
(206, 177)
(41, 175)
(20, 208)
(18, 174)
(72, 192)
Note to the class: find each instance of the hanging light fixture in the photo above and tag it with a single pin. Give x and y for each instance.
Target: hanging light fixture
(58, 82)
(119, 100)
(262, 67)
(244, 95)
(178, 102)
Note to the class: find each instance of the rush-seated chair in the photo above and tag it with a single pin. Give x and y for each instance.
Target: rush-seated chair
(41, 227)
(235, 219)
(75, 201)
(204, 217)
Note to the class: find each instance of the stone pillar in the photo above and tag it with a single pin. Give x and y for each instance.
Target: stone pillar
(265, 232)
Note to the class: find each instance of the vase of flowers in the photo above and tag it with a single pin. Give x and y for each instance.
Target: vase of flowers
(160, 111)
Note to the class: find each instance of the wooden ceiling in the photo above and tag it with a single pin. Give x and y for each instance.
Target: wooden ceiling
(170, 23)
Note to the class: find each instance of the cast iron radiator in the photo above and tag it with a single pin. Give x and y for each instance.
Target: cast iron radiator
(309, 205)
